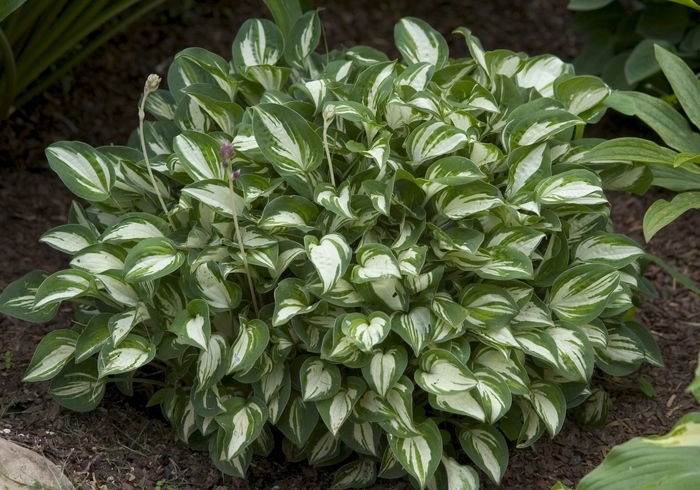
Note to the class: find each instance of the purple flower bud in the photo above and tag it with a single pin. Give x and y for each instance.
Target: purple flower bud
(235, 174)
(224, 163)
(226, 151)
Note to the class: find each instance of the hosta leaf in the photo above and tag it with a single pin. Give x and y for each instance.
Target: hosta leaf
(373, 85)
(375, 261)
(535, 127)
(135, 227)
(537, 343)
(662, 212)
(411, 260)
(330, 257)
(420, 454)
(366, 331)
(390, 466)
(358, 474)
(605, 248)
(242, 420)
(373, 408)
(506, 263)
(253, 337)
(488, 306)
(432, 139)
(509, 369)
(319, 379)
(258, 42)
(69, 238)
(463, 201)
(487, 448)
(238, 466)
(212, 363)
(322, 446)
(440, 373)
(298, 420)
(78, 386)
(133, 352)
(336, 409)
(575, 352)
(291, 299)
(62, 285)
(207, 402)
(623, 354)
(415, 327)
(652, 353)
(400, 400)
(571, 187)
(549, 403)
(84, 170)
(53, 352)
(453, 171)
(540, 72)
(121, 324)
(208, 283)
(199, 155)
(363, 438)
(93, 337)
(460, 477)
(385, 369)
(493, 392)
(286, 139)
(216, 195)
(579, 94)
(288, 212)
(192, 325)
(302, 39)
(335, 200)
(150, 259)
(594, 411)
(520, 238)
(464, 403)
(418, 42)
(581, 293)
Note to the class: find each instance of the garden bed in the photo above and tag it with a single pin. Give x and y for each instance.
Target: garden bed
(123, 445)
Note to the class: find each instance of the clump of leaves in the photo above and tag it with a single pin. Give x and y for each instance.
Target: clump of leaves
(431, 262)
(622, 36)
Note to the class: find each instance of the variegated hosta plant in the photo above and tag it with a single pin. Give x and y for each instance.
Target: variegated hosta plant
(399, 265)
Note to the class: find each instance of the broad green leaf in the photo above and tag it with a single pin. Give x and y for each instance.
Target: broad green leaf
(242, 420)
(9, 7)
(133, 352)
(93, 337)
(418, 42)
(150, 259)
(335, 410)
(286, 139)
(683, 80)
(440, 373)
(319, 379)
(605, 248)
(432, 139)
(78, 386)
(62, 285)
(330, 257)
(258, 42)
(253, 337)
(580, 294)
(585, 5)
(419, 455)
(594, 411)
(385, 369)
(629, 149)
(663, 462)
(487, 448)
(358, 474)
(54, 351)
(192, 326)
(661, 213)
(84, 170)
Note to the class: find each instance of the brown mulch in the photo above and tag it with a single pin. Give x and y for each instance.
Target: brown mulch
(121, 445)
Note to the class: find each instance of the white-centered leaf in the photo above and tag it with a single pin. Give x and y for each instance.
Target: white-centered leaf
(330, 256)
(419, 455)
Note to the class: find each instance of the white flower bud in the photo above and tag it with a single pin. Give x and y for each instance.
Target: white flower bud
(152, 84)
(329, 112)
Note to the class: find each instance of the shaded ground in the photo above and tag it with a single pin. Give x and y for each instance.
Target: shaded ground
(122, 445)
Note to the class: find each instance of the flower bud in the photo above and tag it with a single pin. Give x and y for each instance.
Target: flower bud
(329, 112)
(226, 150)
(152, 84)
(235, 174)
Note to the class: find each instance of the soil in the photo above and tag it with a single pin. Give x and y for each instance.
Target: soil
(122, 445)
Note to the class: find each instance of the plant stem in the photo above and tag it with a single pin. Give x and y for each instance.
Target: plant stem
(240, 242)
(142, 115)
(328, 116)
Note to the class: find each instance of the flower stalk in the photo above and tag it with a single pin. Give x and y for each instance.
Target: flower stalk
(328, 116)
(227, 153)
